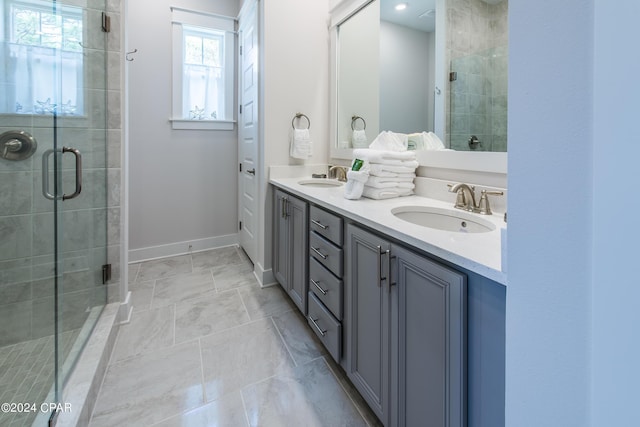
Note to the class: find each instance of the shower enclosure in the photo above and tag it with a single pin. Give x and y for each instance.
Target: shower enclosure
(53, 197)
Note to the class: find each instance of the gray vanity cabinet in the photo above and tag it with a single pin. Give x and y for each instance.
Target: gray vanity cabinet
(405, 318)
(368, 319)
(428, 338)
(290, 252)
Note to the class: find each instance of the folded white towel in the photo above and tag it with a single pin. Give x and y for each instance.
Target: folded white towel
(392, 179)
(359, 139)
(432, 142)
(301, 145)
(386, 157)
(385, 193)
(387, 174)
(391, 185)
(390, 141)
(407, 166)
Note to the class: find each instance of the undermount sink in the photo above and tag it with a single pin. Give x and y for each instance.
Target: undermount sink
(321, 182)
(443, 219)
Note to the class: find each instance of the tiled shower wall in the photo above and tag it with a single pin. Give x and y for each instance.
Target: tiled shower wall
(477, 39)
(26, 218)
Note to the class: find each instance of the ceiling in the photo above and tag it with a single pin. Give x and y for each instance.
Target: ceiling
(410, 16)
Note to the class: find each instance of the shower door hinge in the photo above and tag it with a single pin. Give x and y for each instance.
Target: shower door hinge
(53, 419)
(106, 273)
(240, 225)
(453, 76)
(240, 49)
(240, 167)
(240, 108)
(106, 23)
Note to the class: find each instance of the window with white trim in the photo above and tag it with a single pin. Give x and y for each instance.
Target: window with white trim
(42, 60)
(203, 70)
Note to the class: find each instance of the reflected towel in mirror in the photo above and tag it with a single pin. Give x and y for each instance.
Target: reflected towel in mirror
(359, 139)
(390, 141)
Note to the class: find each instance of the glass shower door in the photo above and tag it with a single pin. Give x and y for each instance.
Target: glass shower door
(53, 198)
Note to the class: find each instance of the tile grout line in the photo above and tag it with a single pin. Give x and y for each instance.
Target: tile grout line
(204, 388)
(284, 342)
(244, 408)
(243, 304)
(175, 322)
(335, 375)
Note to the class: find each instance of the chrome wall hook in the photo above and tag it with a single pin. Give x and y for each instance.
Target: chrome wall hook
(128, 57)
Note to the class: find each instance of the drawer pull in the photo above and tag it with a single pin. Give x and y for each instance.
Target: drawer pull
(323, 333)
(317, 250)
(319, 224)
(317, 285)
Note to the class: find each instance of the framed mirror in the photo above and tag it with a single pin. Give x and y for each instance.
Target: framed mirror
(436, 66)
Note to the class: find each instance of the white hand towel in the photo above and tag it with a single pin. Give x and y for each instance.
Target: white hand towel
(301, 145)
(355, 183)
(404, 167)
(387, 174)
(388, 157)
(384, 193)
(390, 141)
(359, 139)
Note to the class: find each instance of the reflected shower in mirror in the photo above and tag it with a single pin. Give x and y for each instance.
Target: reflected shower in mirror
(437, 65)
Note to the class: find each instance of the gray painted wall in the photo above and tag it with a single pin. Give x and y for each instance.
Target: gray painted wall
(182, 183)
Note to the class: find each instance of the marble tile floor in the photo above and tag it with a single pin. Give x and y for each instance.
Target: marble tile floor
(27, 374)
(206, 346)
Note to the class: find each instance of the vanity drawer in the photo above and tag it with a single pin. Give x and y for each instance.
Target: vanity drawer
(326, 287)
(326, 253)
(326, 224)
(325, 326)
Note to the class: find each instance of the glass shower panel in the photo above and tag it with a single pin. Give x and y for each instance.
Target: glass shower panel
(53, 199)
(478, 101)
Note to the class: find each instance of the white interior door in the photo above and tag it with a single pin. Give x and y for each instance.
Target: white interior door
(248, 133)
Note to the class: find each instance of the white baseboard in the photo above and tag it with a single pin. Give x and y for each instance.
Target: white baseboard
(125, 310)
(181, 248)
(265, 277)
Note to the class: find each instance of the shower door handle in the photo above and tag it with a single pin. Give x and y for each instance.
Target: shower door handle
(45, 173)
(78, 157)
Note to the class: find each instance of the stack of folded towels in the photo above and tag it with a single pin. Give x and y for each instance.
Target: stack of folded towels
(391, 173)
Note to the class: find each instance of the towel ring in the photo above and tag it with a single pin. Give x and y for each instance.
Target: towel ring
(298, 116)
(354, 119)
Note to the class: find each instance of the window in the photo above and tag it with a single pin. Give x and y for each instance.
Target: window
(203, 71)
(42, 61)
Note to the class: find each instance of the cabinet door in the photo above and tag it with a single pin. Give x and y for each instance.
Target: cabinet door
(299, 252)
(367, 312)
(430, 339)
(281, 240)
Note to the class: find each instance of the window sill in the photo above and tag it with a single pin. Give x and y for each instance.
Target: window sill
(183, 124)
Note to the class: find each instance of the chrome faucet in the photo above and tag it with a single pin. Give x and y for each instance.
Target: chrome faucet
(466, 198)
(339, 172)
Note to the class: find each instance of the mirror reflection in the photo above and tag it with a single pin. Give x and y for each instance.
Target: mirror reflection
(433, 66)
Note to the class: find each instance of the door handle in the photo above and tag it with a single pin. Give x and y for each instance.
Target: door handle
(45, 173)
(78, 157)
(252, 171)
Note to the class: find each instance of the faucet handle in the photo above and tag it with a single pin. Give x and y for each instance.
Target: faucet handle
(483, 206)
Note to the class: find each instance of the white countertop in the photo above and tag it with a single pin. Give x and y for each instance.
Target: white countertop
(476, 252)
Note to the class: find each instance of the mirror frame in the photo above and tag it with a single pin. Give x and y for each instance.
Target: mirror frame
(476, 161)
